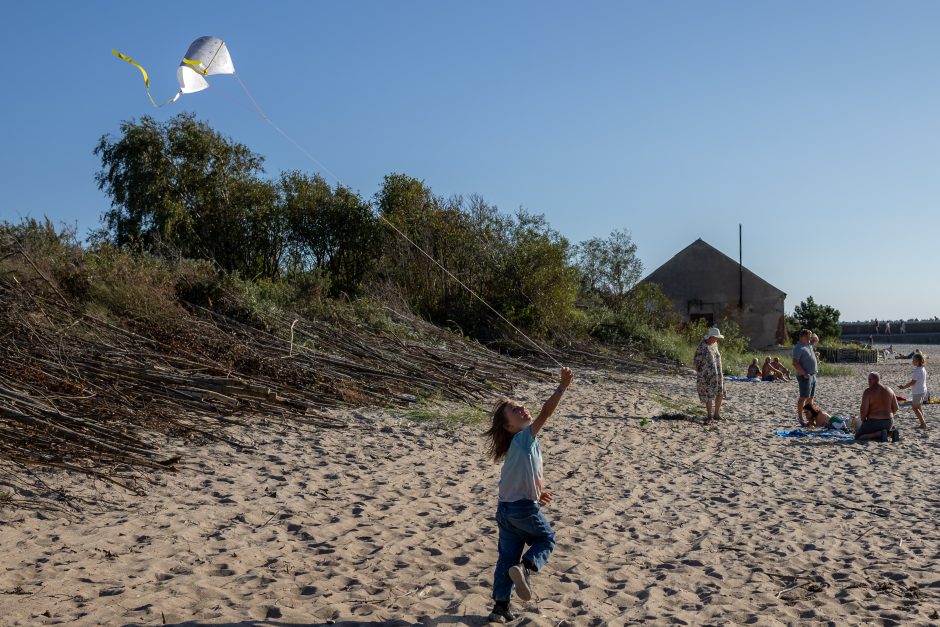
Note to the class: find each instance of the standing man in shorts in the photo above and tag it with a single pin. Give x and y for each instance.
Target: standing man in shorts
(804, 361)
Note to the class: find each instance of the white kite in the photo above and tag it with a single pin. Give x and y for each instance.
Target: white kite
(205, 56)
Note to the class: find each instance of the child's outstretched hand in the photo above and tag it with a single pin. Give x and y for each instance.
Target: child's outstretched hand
(545, 497)
(566, 377)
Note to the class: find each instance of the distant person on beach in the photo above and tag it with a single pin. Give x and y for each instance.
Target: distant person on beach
(918, 385)
(754, 370)
(769, 372)
(522, 494)
(876, 326)
(903, 327)
(710, 381)
(804, 362)
(879, 405)
(910, 355)
(779, 367)
(887, 328)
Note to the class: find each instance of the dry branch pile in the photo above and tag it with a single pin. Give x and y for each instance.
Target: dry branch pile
(84, 393)
(103, 370)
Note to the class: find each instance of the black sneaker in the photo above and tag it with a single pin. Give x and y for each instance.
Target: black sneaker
(501, 614)
(895, 435)
(520, 576)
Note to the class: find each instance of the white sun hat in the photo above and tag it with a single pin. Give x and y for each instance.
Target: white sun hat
(714, 332)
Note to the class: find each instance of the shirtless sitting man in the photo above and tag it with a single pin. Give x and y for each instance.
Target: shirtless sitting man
(777, 364)
(879, 405)
(768, 372)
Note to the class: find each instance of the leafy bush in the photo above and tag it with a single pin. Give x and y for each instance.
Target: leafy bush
(823, 320)
(141, 287)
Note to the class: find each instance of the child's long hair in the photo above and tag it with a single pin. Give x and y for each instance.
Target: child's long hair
(919, 359)
(499, 438)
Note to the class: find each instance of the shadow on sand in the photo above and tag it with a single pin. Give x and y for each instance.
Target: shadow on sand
(450, 619)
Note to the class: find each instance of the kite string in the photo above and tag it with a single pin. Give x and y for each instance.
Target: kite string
(265, 118)
(466, 287)
(277, 128)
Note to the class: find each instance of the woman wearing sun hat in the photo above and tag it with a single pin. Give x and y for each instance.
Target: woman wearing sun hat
(710, 379)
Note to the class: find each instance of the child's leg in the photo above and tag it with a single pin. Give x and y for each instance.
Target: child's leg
(511, 544)
(919, 412)
(540, 537)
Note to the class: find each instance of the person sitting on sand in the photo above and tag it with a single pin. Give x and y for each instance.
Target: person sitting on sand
(769, 373)
(754, 371)
(777, 365)
(519, 516)
(766, 372)
(918, 383)
(879, 405)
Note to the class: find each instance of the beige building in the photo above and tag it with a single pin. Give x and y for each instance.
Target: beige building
(704, 283)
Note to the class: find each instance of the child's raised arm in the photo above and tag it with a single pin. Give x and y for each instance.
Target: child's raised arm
(552, 401)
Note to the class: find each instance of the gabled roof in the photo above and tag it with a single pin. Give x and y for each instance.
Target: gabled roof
(720, 264)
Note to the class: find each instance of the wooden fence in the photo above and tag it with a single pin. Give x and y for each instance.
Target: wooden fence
(850, 355)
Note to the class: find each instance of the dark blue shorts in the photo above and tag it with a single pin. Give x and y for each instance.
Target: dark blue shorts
(874, 426)
(807, 386)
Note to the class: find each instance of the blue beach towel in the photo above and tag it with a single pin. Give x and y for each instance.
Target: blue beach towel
(745, 379)
(823, 433)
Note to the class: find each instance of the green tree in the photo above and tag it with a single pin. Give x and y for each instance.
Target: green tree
(180, 188)
(332, 231)
(539, 286)
(517, 264)
(609, 267)
(821, 319)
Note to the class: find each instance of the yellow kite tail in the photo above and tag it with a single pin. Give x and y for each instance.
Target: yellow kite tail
(146, 78)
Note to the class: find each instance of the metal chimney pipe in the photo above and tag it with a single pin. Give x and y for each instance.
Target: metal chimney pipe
(740, 270)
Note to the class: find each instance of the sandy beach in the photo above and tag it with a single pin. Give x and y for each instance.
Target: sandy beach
(389, 522)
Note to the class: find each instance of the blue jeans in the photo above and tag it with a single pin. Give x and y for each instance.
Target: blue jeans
(520, 523)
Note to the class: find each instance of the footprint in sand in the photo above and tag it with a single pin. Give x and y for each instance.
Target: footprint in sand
(222, 571)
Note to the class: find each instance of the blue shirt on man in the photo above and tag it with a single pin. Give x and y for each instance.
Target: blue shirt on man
(805, 356)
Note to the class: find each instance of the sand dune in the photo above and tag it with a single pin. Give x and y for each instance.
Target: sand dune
(388, 522)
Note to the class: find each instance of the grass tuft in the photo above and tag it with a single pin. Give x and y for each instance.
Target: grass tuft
(449, 419)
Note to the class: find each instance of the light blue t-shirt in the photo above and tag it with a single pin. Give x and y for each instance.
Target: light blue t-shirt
(805, 356)
(521, 477)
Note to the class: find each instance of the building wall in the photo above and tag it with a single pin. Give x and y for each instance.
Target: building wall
(702, 281)
(761, 318)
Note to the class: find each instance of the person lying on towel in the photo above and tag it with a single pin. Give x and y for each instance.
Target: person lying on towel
(815, 416)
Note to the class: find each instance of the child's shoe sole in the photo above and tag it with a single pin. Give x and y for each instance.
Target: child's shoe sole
(518, 575)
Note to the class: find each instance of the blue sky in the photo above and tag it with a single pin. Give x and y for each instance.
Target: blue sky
(815, 125)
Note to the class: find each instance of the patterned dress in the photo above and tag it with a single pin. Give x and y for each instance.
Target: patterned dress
(710, 381)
